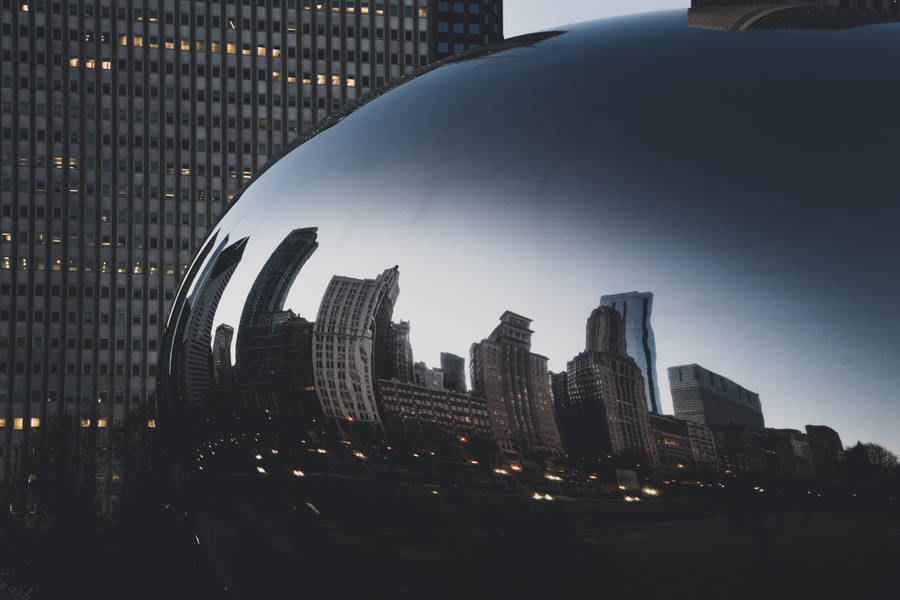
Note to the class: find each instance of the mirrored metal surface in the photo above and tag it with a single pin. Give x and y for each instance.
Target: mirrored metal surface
(481, 209)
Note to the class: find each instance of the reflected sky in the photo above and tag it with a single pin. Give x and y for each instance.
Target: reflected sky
(747, 179)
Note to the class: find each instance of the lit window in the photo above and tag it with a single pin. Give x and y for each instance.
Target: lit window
(35, 422)
(85, 422)
(18, 423)
(101, 423)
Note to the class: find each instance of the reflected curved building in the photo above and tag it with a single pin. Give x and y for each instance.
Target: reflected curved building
(742, 178)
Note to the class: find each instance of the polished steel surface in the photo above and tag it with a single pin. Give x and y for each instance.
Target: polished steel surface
(741, 176)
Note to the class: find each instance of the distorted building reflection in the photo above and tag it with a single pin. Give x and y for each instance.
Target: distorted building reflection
(748, 15)
(516, 384)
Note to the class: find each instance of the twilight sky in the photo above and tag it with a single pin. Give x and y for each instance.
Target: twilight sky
(720, 171)
(527, 16)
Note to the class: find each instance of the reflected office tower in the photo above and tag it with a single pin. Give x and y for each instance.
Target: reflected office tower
(702, 396)
(401, 353)
(635, 309)
(607, 409)
(272, 285)
(747, 15)
(433, 379)
(352, 326)
(454, 368)
(516, 384)
(223, 373)
(200, 311)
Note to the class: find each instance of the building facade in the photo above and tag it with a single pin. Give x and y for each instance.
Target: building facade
(607, 409)
(352, 325)
(516, 385)
(635, 309)
(431, 378)
(454, 369)
(126, 130)
(684, 446)
(701, 396)
(401, 353)
(433, 415)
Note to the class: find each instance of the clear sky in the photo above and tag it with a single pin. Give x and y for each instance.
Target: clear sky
(526, 16)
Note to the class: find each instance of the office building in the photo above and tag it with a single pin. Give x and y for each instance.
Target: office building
(126, 129)
(223, 367)
(701, 396)
(684, 446)
(401, 353)
(430, 415)
(827, 453)
(454, 369)
(635, 309)
(426, 377)
(607, 410)
(516, 384)
(351, 331)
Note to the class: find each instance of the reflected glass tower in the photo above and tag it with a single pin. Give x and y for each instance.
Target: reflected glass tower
(635, 309)
(454, 368)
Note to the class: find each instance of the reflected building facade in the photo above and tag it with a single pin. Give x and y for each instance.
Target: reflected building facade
(606, 410)
(516, 385)
(640, 344)
(454, 369)
(401, 353)
(748, 15)
(431, 378)
(352, 325)
(201, 309)
(701, 396)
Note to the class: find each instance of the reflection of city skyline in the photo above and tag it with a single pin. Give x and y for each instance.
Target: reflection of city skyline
(757, 15)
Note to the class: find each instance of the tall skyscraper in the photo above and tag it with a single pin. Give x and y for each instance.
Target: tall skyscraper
(516, 384)
(401, 353)
(126, 130)
(702, 396)
(607, 409)
(454, 368)
(223, 367)
(273, 283)
(352, 325)
(200, 311)
(635, 309)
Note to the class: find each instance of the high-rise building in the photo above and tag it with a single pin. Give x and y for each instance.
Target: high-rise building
(200, 309)
(126, 129)
(606, 408)
(516, 384)
(454, 368)
(635, 309)
(426, 377)
(223, 368)
(701, 396)
(273, 283)
(351, 329)
(401, 353)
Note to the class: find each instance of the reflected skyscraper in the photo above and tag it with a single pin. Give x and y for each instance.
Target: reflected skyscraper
(748, 15)
(352, 324)
(271, 286)
(454, 368)
(606, 408)
(201, 310)
(426, 377)
(401, 353)
(635, 309)
(223, 371)
(516, 384)
(702, 396)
